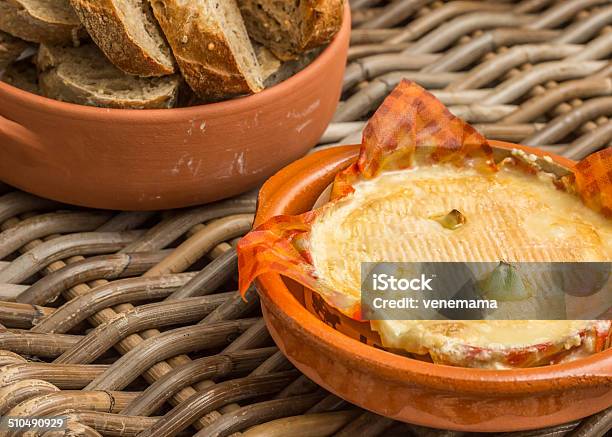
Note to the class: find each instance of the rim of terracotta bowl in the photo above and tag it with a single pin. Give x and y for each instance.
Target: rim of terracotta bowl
(236, 104)
(393, 366)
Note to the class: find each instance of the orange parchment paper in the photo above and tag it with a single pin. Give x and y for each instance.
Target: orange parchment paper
(411, 126)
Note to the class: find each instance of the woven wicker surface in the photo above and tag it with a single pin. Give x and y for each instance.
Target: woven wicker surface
(129, 323)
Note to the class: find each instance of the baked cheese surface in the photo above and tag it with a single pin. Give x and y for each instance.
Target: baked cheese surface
(509, 215)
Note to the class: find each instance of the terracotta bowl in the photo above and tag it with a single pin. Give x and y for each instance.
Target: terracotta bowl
(405, 389)
(159, 159)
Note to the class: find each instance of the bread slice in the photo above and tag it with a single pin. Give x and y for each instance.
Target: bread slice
(128, 34)
(41, 21)
(84, 76)
(22, 74)
(289, 28)
(271, 67)
(273, 24)
(269, 63)
(10, 49)
(211, 46)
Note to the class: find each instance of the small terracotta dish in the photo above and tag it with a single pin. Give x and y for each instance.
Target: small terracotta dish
(159, 159)
(433, 395)
(393, 385)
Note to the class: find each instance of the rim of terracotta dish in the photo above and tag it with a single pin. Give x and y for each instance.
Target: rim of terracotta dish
(235, 105)
(441, 376)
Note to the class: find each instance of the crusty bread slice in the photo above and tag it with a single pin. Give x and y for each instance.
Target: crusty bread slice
(289, 28)
(270, 67)
(211, 46)
(22, 74)
(84, 76)
(41, 21)
(273, 25)
(128, 34)
(10, 49)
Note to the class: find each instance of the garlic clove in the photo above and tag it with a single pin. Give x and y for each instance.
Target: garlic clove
(504, 284)
(453, 220)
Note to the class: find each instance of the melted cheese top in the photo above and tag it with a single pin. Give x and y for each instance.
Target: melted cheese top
(510, 215)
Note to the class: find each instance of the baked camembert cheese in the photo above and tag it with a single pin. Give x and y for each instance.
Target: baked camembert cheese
(426, 187)
(510, 215)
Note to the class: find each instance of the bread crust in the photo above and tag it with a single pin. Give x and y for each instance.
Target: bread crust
(315, 23)
(10, 49)
(17, 20)
(111, 34)
(202, 52)
(280, 36)
(322, 19)
(55, 85)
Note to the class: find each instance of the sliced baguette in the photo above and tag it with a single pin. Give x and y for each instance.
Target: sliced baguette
(10, 49)
(290, 28)
(211, 46)
(22, 74)
(128, 34)
(84, 76)
(41, 21)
